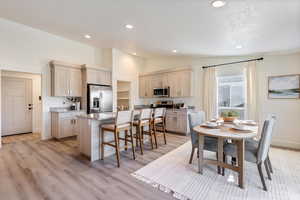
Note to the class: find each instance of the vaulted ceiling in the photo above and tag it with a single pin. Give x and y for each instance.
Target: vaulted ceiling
(192, 27)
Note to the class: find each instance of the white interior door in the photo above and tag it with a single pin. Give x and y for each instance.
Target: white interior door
(16, 105)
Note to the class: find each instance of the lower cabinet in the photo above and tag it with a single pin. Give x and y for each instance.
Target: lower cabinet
(64, 124)
(176, 121)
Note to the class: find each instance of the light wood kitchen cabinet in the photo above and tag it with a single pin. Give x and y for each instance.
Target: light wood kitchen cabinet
(176, 121)
(60, 82)
(101, 77)
(174, 84)
(65, 80)
(186, 83)
(157, 81)
(75, 83)
(145, 88)
(64, 124)
(179, 83)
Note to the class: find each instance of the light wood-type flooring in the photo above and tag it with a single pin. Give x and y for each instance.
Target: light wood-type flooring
(34, 169)
(20, 137)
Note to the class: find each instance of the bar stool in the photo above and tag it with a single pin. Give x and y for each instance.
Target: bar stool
(123, 122)
(144, 120)
(159, 120)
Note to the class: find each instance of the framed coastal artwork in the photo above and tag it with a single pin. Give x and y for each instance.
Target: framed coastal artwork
(284, 87)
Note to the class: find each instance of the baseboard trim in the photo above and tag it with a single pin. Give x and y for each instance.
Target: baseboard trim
(286, 144)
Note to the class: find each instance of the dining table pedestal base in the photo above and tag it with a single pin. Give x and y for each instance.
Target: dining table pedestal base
(222, 134)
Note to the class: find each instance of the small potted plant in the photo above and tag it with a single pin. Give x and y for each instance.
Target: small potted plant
(229, 116)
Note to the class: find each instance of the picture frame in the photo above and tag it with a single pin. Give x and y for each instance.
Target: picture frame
(284, 86)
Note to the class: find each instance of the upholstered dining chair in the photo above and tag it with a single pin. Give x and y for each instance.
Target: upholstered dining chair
(210, 143)
(255, 142)
(257, 152)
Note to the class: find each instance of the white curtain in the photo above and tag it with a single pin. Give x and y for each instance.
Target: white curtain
(210, 93)
(251, 89)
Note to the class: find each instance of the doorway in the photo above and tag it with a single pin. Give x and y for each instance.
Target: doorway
(20, 106)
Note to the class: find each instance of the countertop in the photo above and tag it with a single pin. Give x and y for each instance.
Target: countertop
(64, 110)
(98, 116)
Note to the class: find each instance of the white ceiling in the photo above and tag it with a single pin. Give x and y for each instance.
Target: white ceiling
(193, 27)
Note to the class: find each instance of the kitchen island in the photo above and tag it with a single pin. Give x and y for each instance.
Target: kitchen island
(89, 134)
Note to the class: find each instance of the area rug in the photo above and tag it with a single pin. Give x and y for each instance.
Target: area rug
(171, 173)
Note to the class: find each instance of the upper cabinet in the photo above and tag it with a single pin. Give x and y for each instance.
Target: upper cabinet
(145, 88)
(75, 83)
(66, 79)
(98, 76)
(179, 82)
(70, 80)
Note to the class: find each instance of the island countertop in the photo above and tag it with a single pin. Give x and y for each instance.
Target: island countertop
(98, 116)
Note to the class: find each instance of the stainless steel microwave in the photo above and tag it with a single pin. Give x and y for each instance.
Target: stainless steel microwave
(161, 92)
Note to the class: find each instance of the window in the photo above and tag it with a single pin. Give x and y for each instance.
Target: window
(231, 94)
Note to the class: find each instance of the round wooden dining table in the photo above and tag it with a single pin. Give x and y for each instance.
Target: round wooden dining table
(225, 132)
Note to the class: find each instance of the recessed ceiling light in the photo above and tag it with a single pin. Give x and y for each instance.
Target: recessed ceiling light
(238, 46)
(87, 36)
(134, 54)
(129, 26)
(174, 51)
(218, 3)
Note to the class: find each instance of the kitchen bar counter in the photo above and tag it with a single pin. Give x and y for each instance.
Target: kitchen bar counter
(65, 110)
(98, 116)
(89, 134)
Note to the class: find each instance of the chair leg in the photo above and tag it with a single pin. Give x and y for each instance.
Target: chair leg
(141, 139)
(218, 167)
(102, 145)
(137, 137)
(164, 131)
(192, 155)
(225, 161)
(269, 164)
(150, 135)
(262, 176)
(125, 136)
(267, 169)
(132, 144)
(154, 134)
(117, 147)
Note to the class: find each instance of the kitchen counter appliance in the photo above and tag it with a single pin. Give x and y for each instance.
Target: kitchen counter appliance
(99, 98)
(161, 92)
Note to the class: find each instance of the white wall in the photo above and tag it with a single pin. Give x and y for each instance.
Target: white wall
(25, 49)
(288, 111)
(126, 68)
(287, 132)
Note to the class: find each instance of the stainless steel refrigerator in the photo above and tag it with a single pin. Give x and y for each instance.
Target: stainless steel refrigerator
(99, 98)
